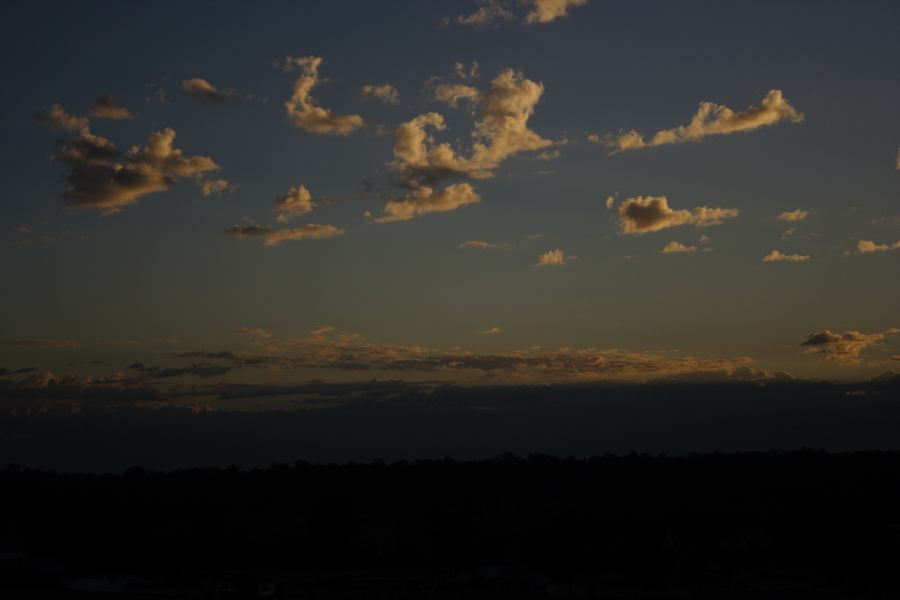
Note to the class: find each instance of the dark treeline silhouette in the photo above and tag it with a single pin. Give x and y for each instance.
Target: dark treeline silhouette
(798, 524)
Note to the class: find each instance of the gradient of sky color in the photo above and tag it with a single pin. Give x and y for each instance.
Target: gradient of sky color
(162, 277)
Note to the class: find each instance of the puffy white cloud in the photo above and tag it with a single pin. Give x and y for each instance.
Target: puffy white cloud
(551, 258)
(674, 247)
(793, 215)
(777, 256)
(384, 92)
(57, 116)
(273, 237)
(424, 200)
(644, 214)
(711, 119)
(102, 178)
(303, 110)
(107, 107)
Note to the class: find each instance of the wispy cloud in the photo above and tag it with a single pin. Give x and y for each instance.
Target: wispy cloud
(273, 237)
(303, 110)
(778, 256)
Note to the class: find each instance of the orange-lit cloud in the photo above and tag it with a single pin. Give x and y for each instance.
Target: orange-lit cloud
(424, 200)
(273, 237)
(102, 178)
(778, 256)
(57, 116)
(845, 347)
(551, 258)
(674, 247)
(644, 214)
(384, 92)
(107, 107)
(298, 201)
(303, 110)
(711, 119)
(868, 246)
(793, 215)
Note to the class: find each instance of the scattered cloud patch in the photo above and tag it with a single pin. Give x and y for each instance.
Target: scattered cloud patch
(551, 258)
(208, 187)
(645, 214)
(107, 107)
(477, 245)
(57, 117)
(674, 247)
(385, 93)
(273, 237)
(297, 202)
(424, 200)
(868, 246)
(845, 347)
(302, 109)
(711, 119)
(793, 215)
(100, 177)
(778, 256)
(489, 331)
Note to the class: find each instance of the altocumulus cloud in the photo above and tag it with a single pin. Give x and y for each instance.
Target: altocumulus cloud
(302, 109)
(107, 107)
(674, 247)
(100, 177)
(645, 214)
(273, 237)
(868, 246)
(778, 256)
(56, 116)
(494, 12)
(501, 130)
(710, 119)
(551, 258)
(847, 347)
(297, 202)
(383, 92)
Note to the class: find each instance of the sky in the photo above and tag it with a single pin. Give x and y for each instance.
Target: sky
(539, 191)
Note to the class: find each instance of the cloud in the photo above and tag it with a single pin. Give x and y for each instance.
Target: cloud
(793, 215)
(452, 93)
(384, 92)
(777, 256)
(711, 119)
(489, 331)
(500, 131)
(425, 200)
(868, 246)
(253, 331)
(495, 12)
(297, 202)
(676, 247)
(460, 70)
(201, 88)
(107, 107)
(477, 245)
(41, 343)
(551, 258)
(490, 13)
(209, 187)
(545, 11)
(102, 178)
(303, 110)
(644, 214)
(273, 237)
(845, 347)
(334, 350)
(57, 117)
(202, 370)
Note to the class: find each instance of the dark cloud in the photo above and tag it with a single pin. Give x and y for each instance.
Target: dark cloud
(273, 237)
(847, 347)
(107, 107)
(102, 178)
(202, 370)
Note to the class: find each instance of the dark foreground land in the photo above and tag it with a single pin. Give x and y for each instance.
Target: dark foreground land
(757, 525)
